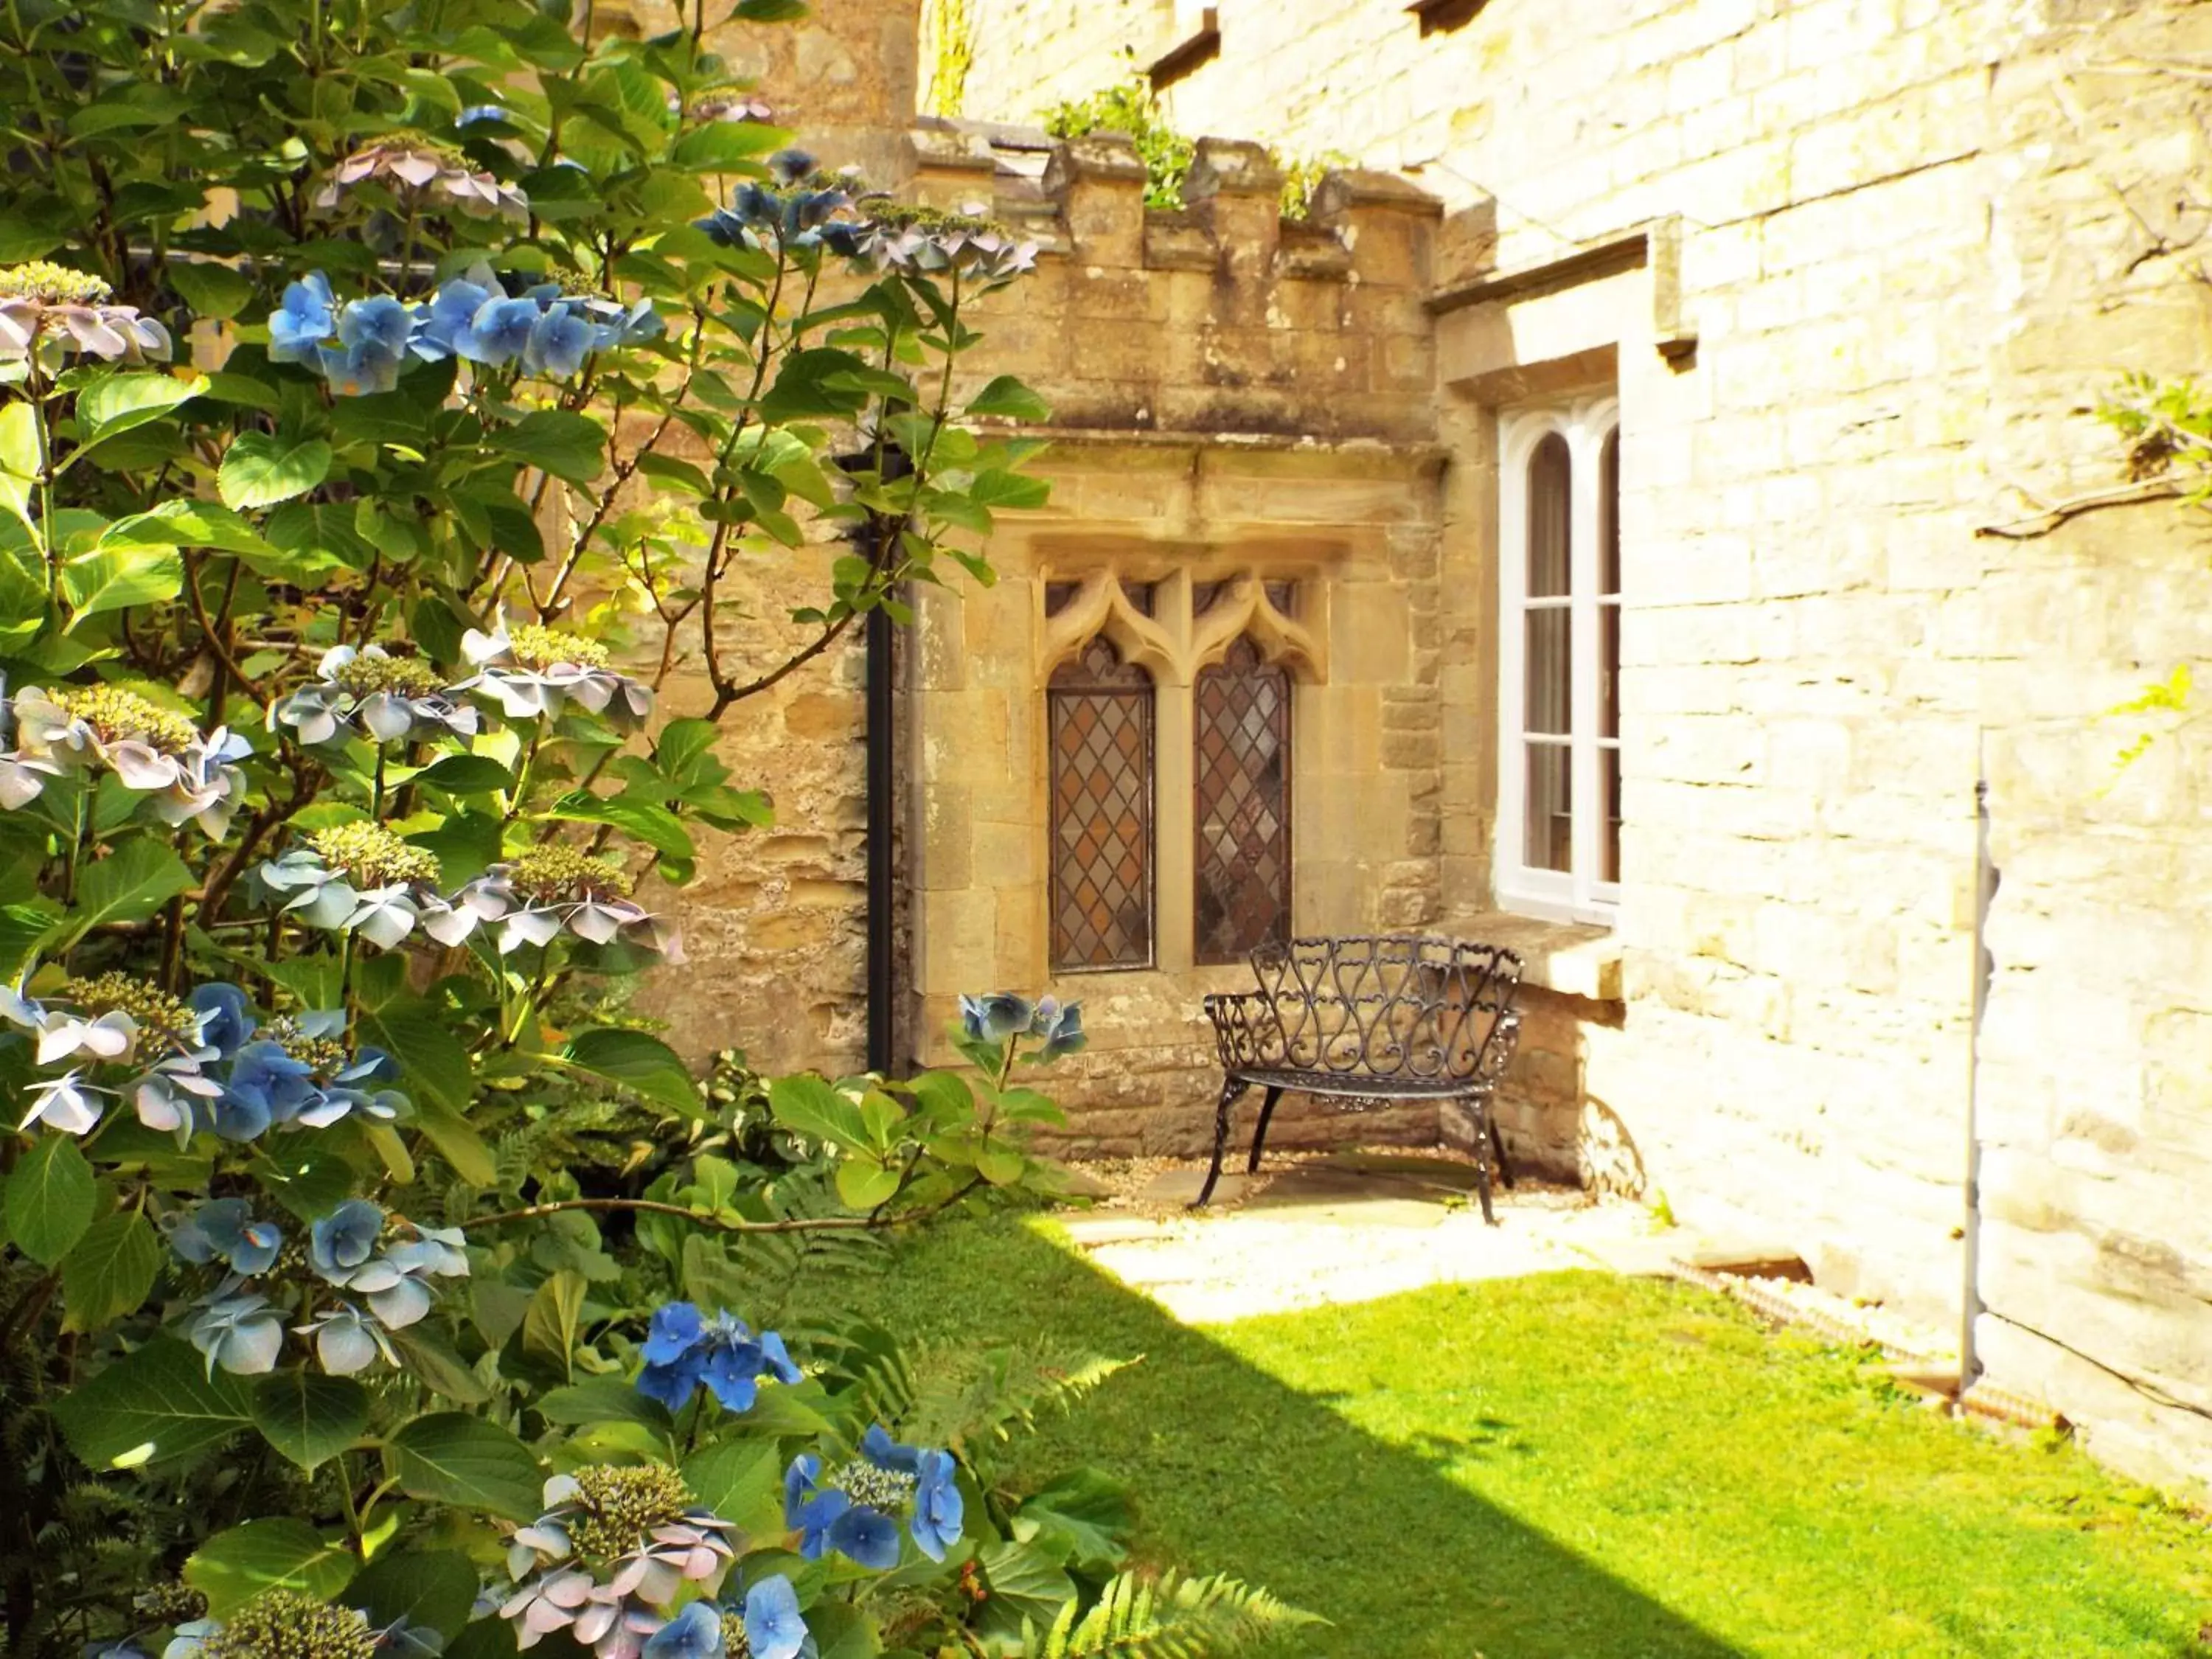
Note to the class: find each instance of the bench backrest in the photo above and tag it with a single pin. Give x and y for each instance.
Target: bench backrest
(1411, 1008)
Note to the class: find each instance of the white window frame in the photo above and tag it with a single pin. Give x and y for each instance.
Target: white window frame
(1575, 895)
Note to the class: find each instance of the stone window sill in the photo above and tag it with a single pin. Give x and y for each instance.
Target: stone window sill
(1572, 959)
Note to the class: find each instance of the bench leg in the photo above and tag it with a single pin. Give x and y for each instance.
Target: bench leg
(1485, 1148)
(1260, 1133)
(1230, 1089)
(1497, 1146)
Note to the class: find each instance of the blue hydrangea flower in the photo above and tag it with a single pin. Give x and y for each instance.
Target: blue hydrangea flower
(683, 1349)
(226, 1016)
(344, 1239)
(306, 317)
(559, 341)
(693, 1633)
(243, 1335)
(848, 1509)
(225, 1228)
(265, 1085)
(935, 1524)
(498, 330)
(1062, 1028)
(995, 1017)
(451, 309)
(774, 1629)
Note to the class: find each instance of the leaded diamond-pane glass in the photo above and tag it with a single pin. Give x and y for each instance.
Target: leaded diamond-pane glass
(1242, 776)
(1100, 716)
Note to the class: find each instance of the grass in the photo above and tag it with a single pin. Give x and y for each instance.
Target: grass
(1571, 1466)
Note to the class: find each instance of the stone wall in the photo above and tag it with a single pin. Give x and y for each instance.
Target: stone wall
(1850, 266)
(2095, 1098)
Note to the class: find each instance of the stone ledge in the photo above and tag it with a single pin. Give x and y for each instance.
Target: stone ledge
(1573, 960)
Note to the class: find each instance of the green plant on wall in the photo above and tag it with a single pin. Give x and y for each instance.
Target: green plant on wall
(949, 26)
(1129, 106)
(1302, 177)
(2167, 426)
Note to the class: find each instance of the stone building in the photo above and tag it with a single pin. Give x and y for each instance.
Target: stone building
(1639, 516)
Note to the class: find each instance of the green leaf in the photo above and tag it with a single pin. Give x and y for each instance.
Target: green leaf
(644, 1065)
(450, 1457)
(263, 468)
(115, 578)
(467, 774)
(567, 446)
(602, 1400)
(549, 1327)
(1016, 490)
(210, 289)
(807, 1105)
(436, 1366)
(308, 1417)
(152, 1407)
(22, 455)
(117, 403)
(863, 1184)
(182, 523)
(310, 1182)
(1026, 1583)
(233, 1567)
(742, 1481)
(431, 1058)
(1008, 396)
(137, 880)
(1082, 1516)
(111, 1271)
(436, 1588)
(50, 1197)
(653, 824)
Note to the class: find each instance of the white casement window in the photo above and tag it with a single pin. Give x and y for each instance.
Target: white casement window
(1559, 790)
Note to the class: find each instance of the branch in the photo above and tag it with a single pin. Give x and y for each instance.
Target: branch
(2049, 518)
(871, 1223)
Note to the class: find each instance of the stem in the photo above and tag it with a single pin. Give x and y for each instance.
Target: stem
(827, 1224)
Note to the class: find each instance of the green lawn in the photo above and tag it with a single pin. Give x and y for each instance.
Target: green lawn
(1574, 1466)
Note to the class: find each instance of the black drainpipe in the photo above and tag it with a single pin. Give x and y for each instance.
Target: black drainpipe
(882, 950)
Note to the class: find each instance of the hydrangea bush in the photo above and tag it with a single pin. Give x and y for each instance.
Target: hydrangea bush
(388, 397)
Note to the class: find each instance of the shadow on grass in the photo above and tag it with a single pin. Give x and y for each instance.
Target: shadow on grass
(1246, 1476)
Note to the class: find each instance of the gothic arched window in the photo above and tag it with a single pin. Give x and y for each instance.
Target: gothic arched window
(1101, 723)
(1241, 774)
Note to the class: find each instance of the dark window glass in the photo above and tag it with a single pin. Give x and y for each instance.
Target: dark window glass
(1057, 596)
(1549, 471)
(1242, 733)
(1100, 711)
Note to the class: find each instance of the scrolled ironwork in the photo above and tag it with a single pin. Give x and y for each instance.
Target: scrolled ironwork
(1365, 1019)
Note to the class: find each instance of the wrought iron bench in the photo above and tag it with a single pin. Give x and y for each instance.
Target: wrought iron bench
(1369, 1021)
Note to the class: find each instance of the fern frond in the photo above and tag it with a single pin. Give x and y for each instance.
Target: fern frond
(1172, 1617)
(943, 1395)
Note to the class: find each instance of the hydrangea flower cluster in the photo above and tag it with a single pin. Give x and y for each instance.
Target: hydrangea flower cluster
(383, 1261)
(195, 1063)
(361, 345)
(1000, 1015)
(287, 1622)
(685, 1351)
(48, 311)
(766, 1624)
(150, 749)
(925, 241)
(412, 166)
(364, 877)
(799, 210)
(386, 698)
(530, 670)
(614, 1549)
(852, 1509)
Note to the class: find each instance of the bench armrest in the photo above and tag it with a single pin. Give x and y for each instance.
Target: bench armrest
(1247, 1033)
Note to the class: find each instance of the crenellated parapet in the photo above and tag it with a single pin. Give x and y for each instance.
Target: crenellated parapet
(1221, 316)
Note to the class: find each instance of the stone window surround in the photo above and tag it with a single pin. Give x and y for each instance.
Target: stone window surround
(1586, 423)
(1174, 647)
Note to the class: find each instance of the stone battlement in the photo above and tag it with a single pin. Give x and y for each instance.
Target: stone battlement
(1220, 317)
